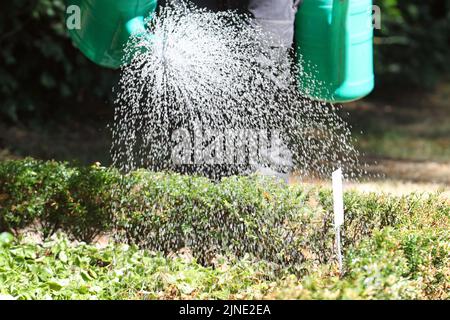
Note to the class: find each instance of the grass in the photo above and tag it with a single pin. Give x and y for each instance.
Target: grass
(400, 144)
(407, 126)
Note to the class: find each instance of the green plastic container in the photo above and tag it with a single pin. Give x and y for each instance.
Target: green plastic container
(106, 26)
(334, 41)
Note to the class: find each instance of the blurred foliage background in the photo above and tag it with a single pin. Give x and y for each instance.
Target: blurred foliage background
(42, 74)
(413, 46)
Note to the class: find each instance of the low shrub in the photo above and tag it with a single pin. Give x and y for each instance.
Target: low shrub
(166, 212)
(237, 215)
(31, 190)
(395, 247)
(405, 257)
(88, 206)
(53, 196)
(367, 213)
(410, 263)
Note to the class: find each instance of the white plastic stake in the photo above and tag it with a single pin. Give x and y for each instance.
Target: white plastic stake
(338, 198)
(338, 202)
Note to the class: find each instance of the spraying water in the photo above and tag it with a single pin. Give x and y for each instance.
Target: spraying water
(208, 93)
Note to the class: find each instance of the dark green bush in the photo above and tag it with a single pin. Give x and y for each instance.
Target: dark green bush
(367, 213)
(159, 211)
(239, 215)
(54, 196)
(407, 262)
(31, 190)
(167, 211)
(89, 202)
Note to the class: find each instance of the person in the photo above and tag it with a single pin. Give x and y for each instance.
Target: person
(275, 17)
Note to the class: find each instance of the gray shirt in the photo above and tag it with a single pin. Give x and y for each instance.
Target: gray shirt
(276, 17)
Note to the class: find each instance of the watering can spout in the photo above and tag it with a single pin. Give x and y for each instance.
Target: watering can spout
(107, 25)
(136, 26)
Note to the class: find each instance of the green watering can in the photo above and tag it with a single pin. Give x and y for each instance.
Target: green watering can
(106, 25)
(334, 40)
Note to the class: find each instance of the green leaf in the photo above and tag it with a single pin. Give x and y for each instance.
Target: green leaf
(6, 239)
(85, 275)
(57, 284)
(63, 256)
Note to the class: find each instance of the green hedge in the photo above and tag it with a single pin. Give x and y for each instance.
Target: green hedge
(55, 196)
(404, 263)
(254, 215)
(167, 211)
(158, 211)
